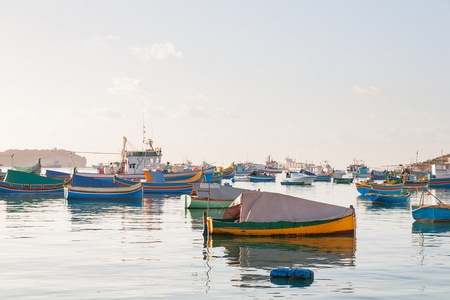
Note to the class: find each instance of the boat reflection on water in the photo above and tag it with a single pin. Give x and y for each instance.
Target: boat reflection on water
(431, 228)
(428, 237)
(266, 253)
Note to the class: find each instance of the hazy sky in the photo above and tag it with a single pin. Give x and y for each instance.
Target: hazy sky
(226, 81)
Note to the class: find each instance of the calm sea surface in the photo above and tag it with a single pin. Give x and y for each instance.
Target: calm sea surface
(53, 249)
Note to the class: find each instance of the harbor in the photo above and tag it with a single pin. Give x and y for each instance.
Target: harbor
(154, 248)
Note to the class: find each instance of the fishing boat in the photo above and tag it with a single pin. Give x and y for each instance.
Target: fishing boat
(378, 175)
(217, 177)
(188, 174)
(18, 182)
(229, 172)
(264, 213)
(326, 177)
(400, 198)
(85, 188)
(272, 166)
(57, 175)
(343, 180)
(440, 176)
(211, 195)
(390, 187)
(261, 177)
(132, 163)
(298, 178)
(339, 173)
(243, 169)
(417, 184)
(358, 169)
(156, 184)
(369, 186)
(439, 212)
(364, 187)
(35, 169)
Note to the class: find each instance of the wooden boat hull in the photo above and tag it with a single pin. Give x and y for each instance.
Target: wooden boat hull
(229, 172)
(415, 184)
(261, 178)
(160, 188)
(431, 213)
(17, 188)
(325, 178)
(194, 202)
(134, 192)
(363, 189)
(386, 188)
(182, 176)
(342, 180)
(335, 226)
(217, 177)
(389, 198)
(439, 183)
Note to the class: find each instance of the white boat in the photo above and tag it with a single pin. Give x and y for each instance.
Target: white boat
(298, 178)
(339, 173)
(132, 165)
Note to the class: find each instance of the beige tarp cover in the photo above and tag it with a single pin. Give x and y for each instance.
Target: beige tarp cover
(273, 207)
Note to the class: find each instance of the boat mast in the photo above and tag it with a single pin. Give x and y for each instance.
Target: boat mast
(123, 154)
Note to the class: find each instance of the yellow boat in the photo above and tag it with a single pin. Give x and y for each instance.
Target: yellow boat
(263, 214)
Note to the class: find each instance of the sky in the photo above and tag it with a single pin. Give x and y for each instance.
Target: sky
(228, 81)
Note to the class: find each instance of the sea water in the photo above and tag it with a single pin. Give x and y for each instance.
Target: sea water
(54, 249)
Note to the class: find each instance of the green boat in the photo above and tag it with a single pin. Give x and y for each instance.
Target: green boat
(343, 180)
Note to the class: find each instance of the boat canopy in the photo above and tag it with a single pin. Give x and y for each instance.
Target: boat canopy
(14, 176)
(85, 181)
(217, 192)
(273, 207)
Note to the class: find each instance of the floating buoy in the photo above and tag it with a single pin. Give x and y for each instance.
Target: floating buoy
(292, 273)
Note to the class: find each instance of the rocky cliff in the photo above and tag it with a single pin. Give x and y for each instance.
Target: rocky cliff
(49, 158)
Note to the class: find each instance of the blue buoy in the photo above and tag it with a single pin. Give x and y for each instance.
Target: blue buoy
(292, 273)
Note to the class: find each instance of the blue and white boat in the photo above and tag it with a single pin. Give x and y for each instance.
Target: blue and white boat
(299, 178)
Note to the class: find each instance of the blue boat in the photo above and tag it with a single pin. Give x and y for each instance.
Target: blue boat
(258, 176)
(389, 198)
(439, 182)
(439, 212)
(86, 188)
(159, 187)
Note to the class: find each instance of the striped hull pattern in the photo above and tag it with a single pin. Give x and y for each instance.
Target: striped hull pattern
(324, 177)
(161, 188)
(261, 178)
(217, 177)
(416, 184)
(334, 226)
(16, 188)
(389, 198)
(386, 188)
(439, 183)
(203, 203)
(363, 188)
(431, 213)
(134, 192)
(228, 174)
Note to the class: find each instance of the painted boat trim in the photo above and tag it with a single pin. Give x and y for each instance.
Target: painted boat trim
(335, 226)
